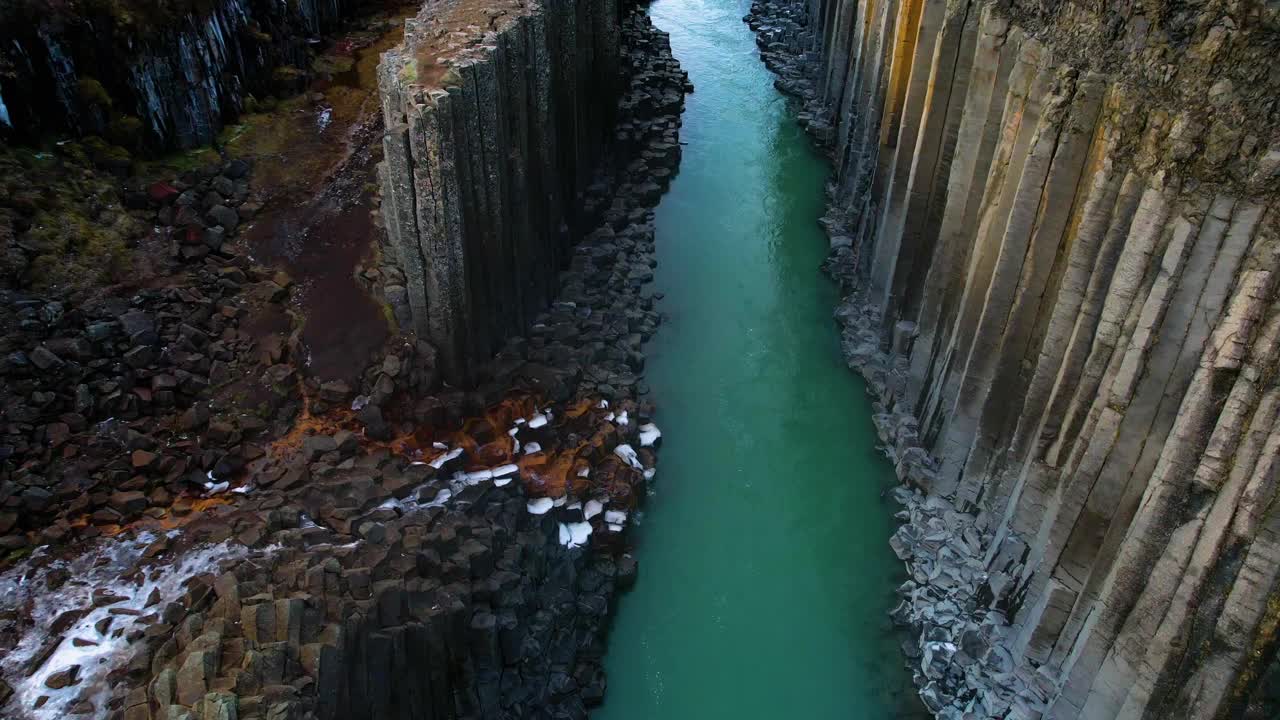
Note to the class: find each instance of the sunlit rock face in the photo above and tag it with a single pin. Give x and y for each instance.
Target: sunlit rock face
(182, 74)
(1056, 223)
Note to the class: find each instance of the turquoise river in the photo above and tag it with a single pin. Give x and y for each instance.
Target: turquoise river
(765, 573)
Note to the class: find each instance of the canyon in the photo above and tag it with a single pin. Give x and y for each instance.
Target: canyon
(1055, 224)
(338, 335)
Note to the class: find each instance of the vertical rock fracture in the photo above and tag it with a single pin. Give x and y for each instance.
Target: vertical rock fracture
(498, 114)
(1056, 224)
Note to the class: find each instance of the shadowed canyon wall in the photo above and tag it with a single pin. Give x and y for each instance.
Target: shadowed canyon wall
(492, 142)
(1057, 224)
(164, 75)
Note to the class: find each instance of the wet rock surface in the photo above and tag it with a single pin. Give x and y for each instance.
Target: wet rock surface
(219, 534)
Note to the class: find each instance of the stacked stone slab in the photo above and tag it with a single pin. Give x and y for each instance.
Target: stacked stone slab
(1056, 223)
(498, 115)
(377, 584)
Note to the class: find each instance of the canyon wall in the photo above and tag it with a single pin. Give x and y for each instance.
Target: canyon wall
(162, 75)
(456, 557)
(494, 135)
(1056, 222)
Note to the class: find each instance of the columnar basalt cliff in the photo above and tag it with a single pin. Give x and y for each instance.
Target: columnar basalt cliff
(1056, 224)
(493, 139)
(216, 534)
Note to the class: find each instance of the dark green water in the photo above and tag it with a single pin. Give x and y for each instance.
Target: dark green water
(765, 572)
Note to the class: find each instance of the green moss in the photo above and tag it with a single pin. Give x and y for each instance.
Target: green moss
(409, 72)
(106, 155)
(390, 316)
(92, 93)
(333, 64)
(126, 131)
(287, 74)
(16, 556)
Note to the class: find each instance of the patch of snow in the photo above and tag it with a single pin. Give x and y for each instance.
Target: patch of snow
(628, 455)
(531, 448)
(108, 566)
(578, 534)
(615, 517)
(538, 421)
(585, 471)
(502, 481)
(508, 469)
(603, 404)
(440, 461)
(324, 119)
(440, 499)
(540, 506)
(592, 509)
(360, 403)
(614, 527)
(622, 418)
(649, 434)
(649, 473)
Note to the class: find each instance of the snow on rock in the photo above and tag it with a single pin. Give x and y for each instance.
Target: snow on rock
(109, 569)
(508, 469)
(592, 509)
(628, 455)
(622, 418)
(575, 534)
(615, 517)
(540, 506)
(531, 448)
(440, 461)
(649, 434)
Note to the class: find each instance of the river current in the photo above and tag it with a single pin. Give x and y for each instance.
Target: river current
(765, 573)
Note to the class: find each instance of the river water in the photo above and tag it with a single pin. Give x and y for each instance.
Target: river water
(765, 573)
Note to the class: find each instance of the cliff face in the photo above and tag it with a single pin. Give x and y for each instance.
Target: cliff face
(175, 72)
(1057, 223)
(494, 136)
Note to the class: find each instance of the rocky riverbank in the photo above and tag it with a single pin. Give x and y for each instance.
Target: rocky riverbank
(1026, 221)
(379, 547)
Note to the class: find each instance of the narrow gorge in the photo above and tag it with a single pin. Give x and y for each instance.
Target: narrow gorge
(342, 339)
(1054, 222)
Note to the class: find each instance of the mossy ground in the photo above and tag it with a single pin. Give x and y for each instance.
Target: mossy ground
(61, 219)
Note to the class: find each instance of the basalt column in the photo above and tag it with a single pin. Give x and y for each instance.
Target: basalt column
(498, 116)
(1057, 225)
